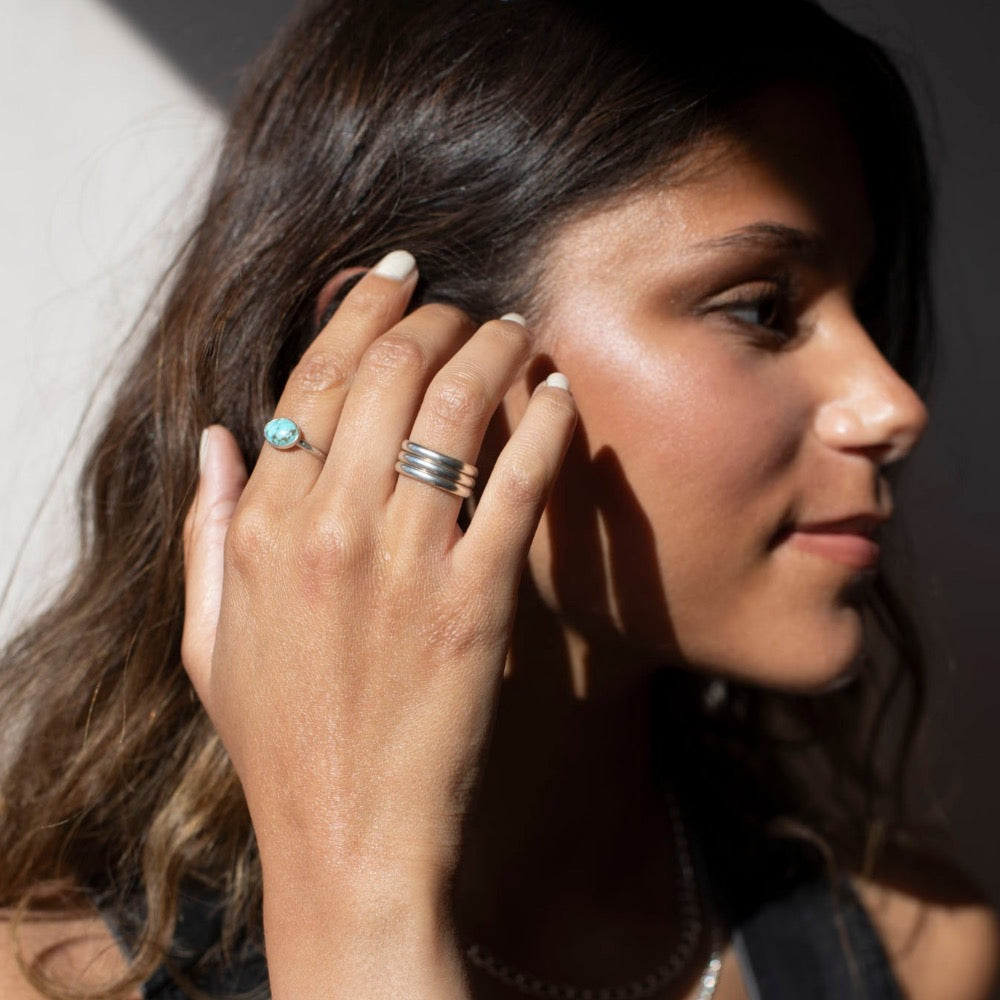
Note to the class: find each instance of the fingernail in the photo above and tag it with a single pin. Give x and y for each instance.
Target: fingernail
(558, 381)
(397, 265)
(202, 451)
(515, 318)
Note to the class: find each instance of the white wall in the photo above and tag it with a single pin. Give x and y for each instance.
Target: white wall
(104, 150)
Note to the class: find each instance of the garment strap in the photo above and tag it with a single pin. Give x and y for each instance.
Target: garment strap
(194, 955)
(818, 942)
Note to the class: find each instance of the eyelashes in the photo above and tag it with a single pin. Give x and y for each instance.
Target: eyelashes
(765, 308)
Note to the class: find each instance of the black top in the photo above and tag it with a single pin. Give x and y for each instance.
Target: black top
(817, 942)
(814, 941)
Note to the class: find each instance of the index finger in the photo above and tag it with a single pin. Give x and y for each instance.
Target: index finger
(314, 395)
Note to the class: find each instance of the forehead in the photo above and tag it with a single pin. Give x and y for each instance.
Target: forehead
(787, 159)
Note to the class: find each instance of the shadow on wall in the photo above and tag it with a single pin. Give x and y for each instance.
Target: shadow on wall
(210, 43)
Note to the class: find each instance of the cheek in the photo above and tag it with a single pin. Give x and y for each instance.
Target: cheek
(716, 478)
(705, 441)
(689, 459)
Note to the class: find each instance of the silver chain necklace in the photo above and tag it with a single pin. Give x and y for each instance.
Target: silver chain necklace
(690, 911)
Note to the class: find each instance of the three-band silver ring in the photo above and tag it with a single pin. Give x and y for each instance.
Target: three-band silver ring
(434, 468)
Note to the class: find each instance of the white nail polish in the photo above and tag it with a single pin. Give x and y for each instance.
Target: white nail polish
(202, 451)
(558, 381)
(398, 265)
(515, 318)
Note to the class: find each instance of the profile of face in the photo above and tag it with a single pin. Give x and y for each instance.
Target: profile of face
(727, 392)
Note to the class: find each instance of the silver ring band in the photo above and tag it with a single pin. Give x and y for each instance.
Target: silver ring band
(436, 469)
(419, 451)
(423, 476)
(428, 464)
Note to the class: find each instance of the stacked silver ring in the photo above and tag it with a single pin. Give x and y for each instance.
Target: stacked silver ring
(436, 469)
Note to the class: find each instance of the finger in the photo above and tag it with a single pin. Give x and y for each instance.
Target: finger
(390, 383)
(316, 388)
(453, 418)
(220, 485)
(511, 505)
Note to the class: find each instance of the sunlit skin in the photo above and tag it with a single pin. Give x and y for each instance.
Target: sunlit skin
(714, 412)
(701, 435)
(728, 408)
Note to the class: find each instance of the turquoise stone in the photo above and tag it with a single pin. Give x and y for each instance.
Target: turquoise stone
(282, 432)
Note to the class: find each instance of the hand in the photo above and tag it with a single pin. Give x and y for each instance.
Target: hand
(345, 637)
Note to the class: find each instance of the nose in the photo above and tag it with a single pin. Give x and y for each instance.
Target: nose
(867, 405)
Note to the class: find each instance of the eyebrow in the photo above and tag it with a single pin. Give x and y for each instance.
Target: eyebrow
(775, 237)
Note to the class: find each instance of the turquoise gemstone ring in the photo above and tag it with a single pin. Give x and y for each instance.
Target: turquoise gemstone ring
(282, 433)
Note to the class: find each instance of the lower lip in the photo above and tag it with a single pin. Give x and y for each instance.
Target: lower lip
(855, 551)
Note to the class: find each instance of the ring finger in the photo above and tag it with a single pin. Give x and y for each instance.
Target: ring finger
(453, 418)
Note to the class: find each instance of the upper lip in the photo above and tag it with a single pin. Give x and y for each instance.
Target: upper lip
(865, 523)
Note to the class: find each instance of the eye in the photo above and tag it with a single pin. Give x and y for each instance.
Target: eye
(764, 309)
(759, 310)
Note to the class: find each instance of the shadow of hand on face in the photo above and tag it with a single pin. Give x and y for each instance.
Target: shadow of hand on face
(604, 582)
(559, 761)
(605, 574)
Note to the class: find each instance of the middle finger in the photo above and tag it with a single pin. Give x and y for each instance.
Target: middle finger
(391, 379)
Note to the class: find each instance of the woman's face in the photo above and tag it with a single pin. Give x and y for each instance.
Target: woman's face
(727, 393)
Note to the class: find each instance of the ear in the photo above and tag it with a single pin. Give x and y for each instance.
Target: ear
(333, 292)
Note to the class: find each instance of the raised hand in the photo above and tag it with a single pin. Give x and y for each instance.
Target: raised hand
(348, 640)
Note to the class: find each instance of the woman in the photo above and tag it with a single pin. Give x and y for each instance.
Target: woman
(286, 698)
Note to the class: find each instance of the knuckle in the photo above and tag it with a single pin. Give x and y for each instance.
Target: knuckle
(459, 397)
(327, 545)
(453, 634)
(249, 540)
(456, 639)
(395, 352)
(218, 513)
(367, 301)
(441, 313)
(523, 480)
(321, 371)
(512, 335)
(559, 404)
(475, 629)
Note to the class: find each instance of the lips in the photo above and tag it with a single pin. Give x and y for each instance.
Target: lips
(846, 540)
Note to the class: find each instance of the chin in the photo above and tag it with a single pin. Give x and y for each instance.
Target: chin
(816, 660)
(820, 667)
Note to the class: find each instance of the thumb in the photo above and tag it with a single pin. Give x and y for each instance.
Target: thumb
(223, 476)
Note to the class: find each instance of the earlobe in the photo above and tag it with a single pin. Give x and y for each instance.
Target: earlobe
(333, 292)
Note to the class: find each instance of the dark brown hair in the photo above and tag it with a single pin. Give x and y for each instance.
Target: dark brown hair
(465, 131)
